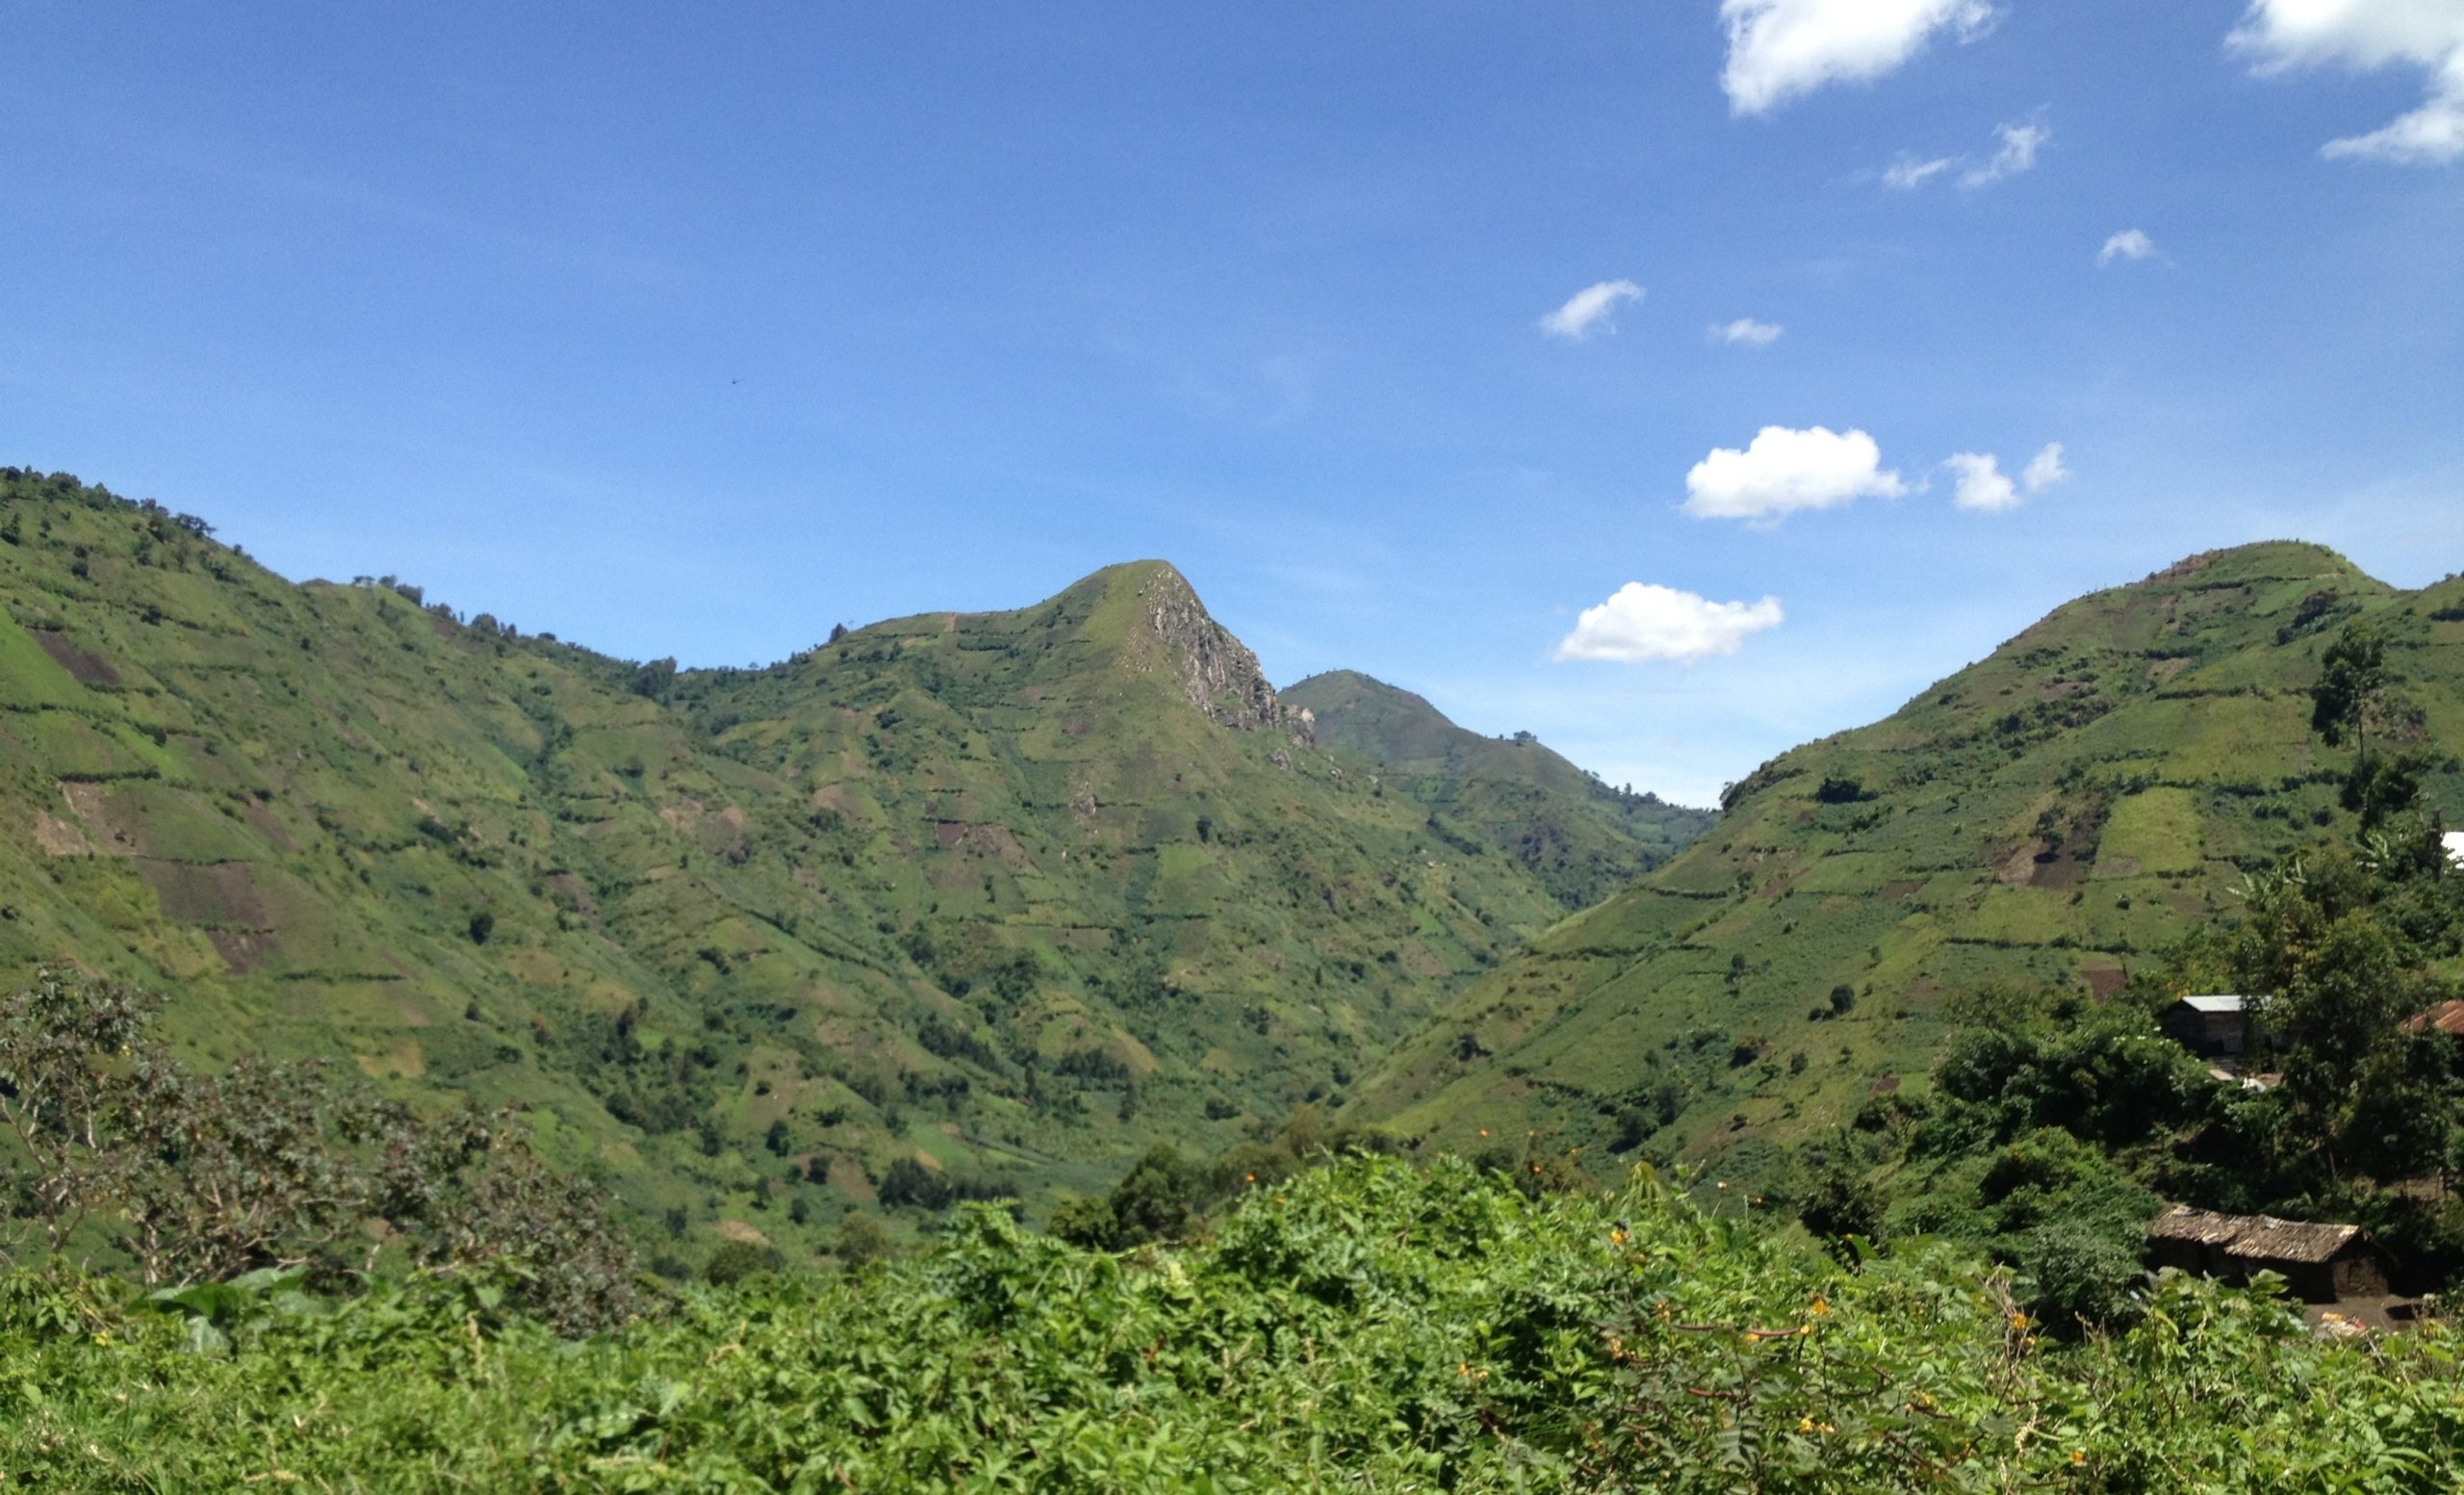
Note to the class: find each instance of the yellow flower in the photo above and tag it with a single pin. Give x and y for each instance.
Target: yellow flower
(1821, 1308)
(1804, 1425)
(2019, 1321)
(1617, 1237)
(2078, 1455)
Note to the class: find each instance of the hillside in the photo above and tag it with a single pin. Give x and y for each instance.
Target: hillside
(1584, 839)
(2050, 816)
(954, 902)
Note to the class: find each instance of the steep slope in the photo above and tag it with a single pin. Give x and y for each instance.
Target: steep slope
(952, 900)
(2050, 816)
(1581, 837)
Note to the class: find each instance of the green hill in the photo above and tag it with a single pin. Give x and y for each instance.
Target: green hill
(955, 902)
(2052, 815)
(1581, 837)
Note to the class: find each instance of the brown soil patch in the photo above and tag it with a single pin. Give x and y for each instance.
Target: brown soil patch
(949, 833)
(2020, 871)
(222, 894)
(244, 951)
(2163, 670)
(267, 826)
(567, 885)
(2062, 689)
(2105, 983)
(684, 814)
(93, 807)
(1780, 885)
(1886, 1085)
(1903, 887)
(850, 1180)
(739, 1230)
(90, 669)
(57, 838)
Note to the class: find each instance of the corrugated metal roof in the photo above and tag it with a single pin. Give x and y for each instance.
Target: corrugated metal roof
(2216, 1004)
(2254, 1237)
(2446, 1018)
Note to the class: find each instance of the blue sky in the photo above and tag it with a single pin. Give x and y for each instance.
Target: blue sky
(694, 330)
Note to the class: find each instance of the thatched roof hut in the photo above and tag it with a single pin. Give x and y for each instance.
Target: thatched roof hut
(2321, 1263)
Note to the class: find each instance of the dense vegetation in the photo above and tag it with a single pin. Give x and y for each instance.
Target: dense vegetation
(948, 906)
(2054, 820)
(1371, 1326)
(1584, 839)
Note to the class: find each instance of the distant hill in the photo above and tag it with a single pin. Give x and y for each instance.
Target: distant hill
(2051, 816)
(1584, 839)
(954, 902)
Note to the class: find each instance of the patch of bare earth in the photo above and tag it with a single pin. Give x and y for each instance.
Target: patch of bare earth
(90, 669)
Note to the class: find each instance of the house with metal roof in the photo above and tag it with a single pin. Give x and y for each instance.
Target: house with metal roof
(2321, 1263)
(2209, 1026)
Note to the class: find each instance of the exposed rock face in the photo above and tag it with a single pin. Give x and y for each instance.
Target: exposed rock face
(1215, 670)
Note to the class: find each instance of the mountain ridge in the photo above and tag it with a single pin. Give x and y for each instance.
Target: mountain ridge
(2049, 817)
(955, 902)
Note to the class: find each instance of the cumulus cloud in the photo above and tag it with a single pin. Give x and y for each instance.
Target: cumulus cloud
(1641, 622)
(1591, 309)
(2364, 34)
(1778, 49)
(2044, 469)
(1782, 470)
(2016, 153)
(1985, 488)
(1908, 174)
(2129, 245)
(1747, 331)
(1982, 486)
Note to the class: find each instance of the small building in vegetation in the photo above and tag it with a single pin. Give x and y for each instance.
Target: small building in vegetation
(2209, 1024)
(2446, 1018)
(2321, 1263)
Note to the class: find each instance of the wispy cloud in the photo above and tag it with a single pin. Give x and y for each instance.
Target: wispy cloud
(2365, 35)
(1908, 174)
(1642, 622)
(1746, 333)
(2016, 153)
(2044, 469)
(2130, 243)
(1591, 309)
(1778, 49)
(1782, 470)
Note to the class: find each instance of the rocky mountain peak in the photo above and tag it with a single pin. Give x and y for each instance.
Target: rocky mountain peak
(1219, 675)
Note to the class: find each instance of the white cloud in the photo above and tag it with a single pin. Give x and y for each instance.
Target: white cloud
(1641, 621)
(1908, 174)
(1985, 488)
(1982, 485)
(2044, 469)
(1781, 48)
(2130, 243)
(1747, 331)
(1782, 470)
(2016, 153)
(1591, 309)
(2364, 34)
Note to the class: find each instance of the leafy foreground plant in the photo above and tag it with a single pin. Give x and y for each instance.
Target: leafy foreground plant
(1373, 1326)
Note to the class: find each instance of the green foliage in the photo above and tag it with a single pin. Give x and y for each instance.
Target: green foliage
(1368, 1326)
(114, 1150)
